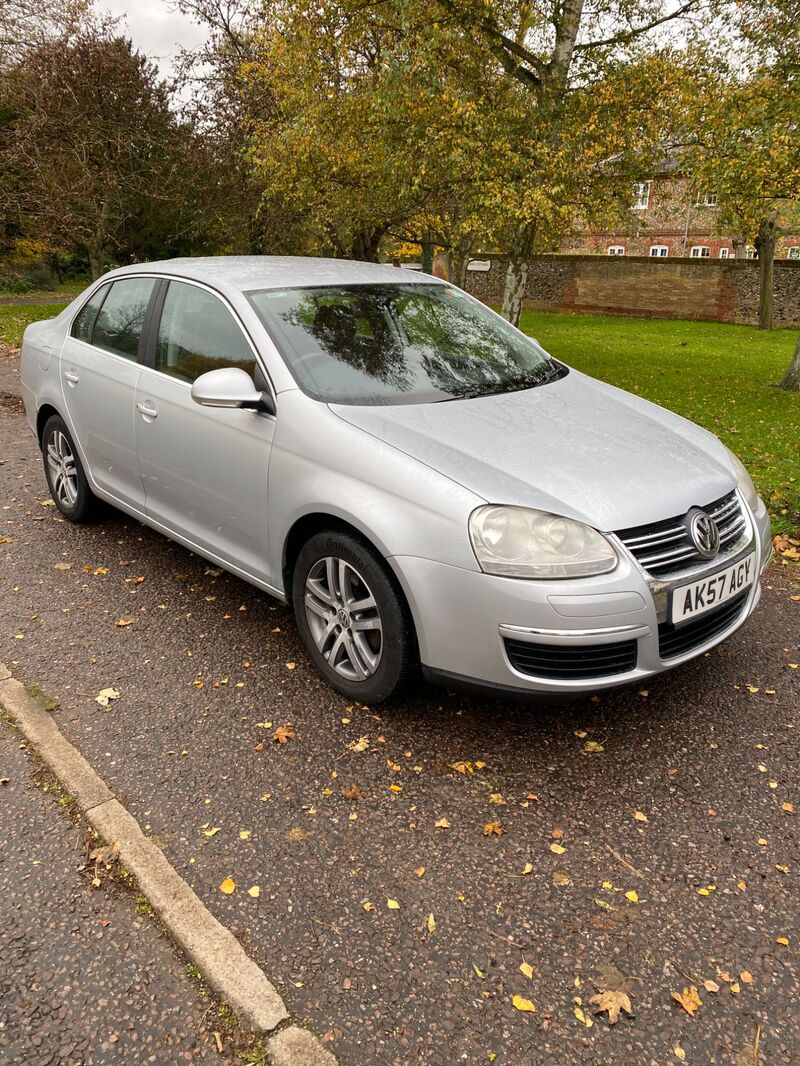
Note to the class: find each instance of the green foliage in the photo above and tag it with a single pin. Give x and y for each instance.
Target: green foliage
(720, 376)
(15, 317)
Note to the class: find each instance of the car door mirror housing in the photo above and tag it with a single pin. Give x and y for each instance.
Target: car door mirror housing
(229, 387)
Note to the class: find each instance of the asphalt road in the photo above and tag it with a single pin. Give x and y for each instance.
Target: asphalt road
(208, 668)
(84, 979)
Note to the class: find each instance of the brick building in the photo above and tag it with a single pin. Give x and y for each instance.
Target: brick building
(671, 217)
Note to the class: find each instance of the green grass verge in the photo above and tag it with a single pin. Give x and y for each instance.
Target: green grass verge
(15, 317)
(722, 377)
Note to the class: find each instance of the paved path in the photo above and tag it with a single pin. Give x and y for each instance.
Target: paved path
(208, 667)
(83, 979)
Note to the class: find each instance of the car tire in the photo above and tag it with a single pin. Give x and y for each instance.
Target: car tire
(353, 617)
(65, 475)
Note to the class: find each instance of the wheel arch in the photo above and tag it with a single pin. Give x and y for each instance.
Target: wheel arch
(304, 527)
(45, 412)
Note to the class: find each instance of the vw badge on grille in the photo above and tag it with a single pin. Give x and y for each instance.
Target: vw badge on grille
(705, 534)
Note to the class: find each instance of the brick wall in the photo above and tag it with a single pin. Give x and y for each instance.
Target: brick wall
(716, 290)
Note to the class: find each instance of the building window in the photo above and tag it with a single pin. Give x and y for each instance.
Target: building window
(706, 199)
(659, 251)
(616, 249)
(793, 252)
(751, 251)
(700, 251)
(724, 253)
(641, 195)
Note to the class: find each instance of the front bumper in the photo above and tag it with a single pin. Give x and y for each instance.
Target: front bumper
(467, 621)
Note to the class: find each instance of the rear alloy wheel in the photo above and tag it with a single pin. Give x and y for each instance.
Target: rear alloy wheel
(352, 618)
(64, 472)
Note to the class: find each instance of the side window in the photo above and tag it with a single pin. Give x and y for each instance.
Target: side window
(84, 321)
(198, 333)
(119, 324)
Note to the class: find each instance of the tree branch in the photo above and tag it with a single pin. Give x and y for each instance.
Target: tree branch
(625, 36)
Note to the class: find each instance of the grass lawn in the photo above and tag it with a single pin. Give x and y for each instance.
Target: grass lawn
(722, 377)
(15, 317)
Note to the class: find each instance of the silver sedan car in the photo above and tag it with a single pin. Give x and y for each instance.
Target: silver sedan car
(422, 482)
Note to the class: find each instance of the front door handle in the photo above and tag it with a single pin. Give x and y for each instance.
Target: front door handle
(147, 408)
(71, 377)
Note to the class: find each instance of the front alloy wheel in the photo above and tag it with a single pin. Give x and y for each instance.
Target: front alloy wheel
(343, 618)
(352, 617)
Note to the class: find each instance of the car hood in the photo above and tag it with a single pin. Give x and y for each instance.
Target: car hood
(576, 447)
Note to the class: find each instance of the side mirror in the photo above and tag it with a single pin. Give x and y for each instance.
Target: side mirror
(228, 387)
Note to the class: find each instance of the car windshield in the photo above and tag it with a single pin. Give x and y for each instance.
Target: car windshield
(404, 343)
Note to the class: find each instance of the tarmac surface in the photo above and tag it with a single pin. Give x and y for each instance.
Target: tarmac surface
(639, 843)
(84, 979)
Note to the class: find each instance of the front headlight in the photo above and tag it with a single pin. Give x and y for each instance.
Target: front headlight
(523, 542)
(746, 485)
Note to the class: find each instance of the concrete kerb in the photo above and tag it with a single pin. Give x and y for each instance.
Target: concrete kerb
(206, 942)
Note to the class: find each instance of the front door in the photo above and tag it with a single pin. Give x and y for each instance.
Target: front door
(204, 469)
(99, 373)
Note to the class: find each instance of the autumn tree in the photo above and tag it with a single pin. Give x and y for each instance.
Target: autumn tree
(92, 153)
(571, 61)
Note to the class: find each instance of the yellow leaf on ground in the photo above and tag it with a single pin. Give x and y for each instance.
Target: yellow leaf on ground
(788, 807)
(211, 832)
(291, 666)
(228, 886)
(711, 986)
(782, 940)
(593, 746)
(244, 834)
(493, 829)
(392, 904)
(688, 999)
(359, 745)
(633, 896)
(526, 969)
(762, 842)
(557, 849)
(122, 622)
(680, 1054)
(431, 923)
(640, 816)
(420, 871)
(495, 797)
(254, 891)
(106, 695)
(527, 868)
(612, 1002)
(442, 824)
(584, 1019)
(395, 788)
(368, 906)
(523, 1004)
(746, 977)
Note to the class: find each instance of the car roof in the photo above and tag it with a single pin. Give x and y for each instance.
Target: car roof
(247, 273)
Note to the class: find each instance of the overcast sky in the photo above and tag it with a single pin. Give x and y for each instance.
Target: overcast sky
(156, 28)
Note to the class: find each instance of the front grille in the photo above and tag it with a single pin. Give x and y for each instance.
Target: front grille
(677, 640)
(665, 548)
(555, 662)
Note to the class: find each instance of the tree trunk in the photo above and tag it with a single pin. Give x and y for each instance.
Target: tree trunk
(517, 273)
(96, 261)
(428, 248)
(765, 245)
(457, 261)
(366, 244)
(791, 379)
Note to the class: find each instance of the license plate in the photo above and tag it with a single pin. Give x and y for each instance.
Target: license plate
(690, 601)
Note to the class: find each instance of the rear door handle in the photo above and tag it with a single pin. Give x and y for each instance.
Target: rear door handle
(147, 408)
(71, 377)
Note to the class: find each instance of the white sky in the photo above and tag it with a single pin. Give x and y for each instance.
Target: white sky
(156, 28)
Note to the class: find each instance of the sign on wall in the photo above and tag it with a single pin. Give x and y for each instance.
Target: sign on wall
(479, 264)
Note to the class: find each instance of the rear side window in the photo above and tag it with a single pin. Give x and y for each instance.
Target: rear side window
(87, 316)
(198, 333)
(118, 326)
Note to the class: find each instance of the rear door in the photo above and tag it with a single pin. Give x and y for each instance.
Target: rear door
(99, 372)
(204, 469)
